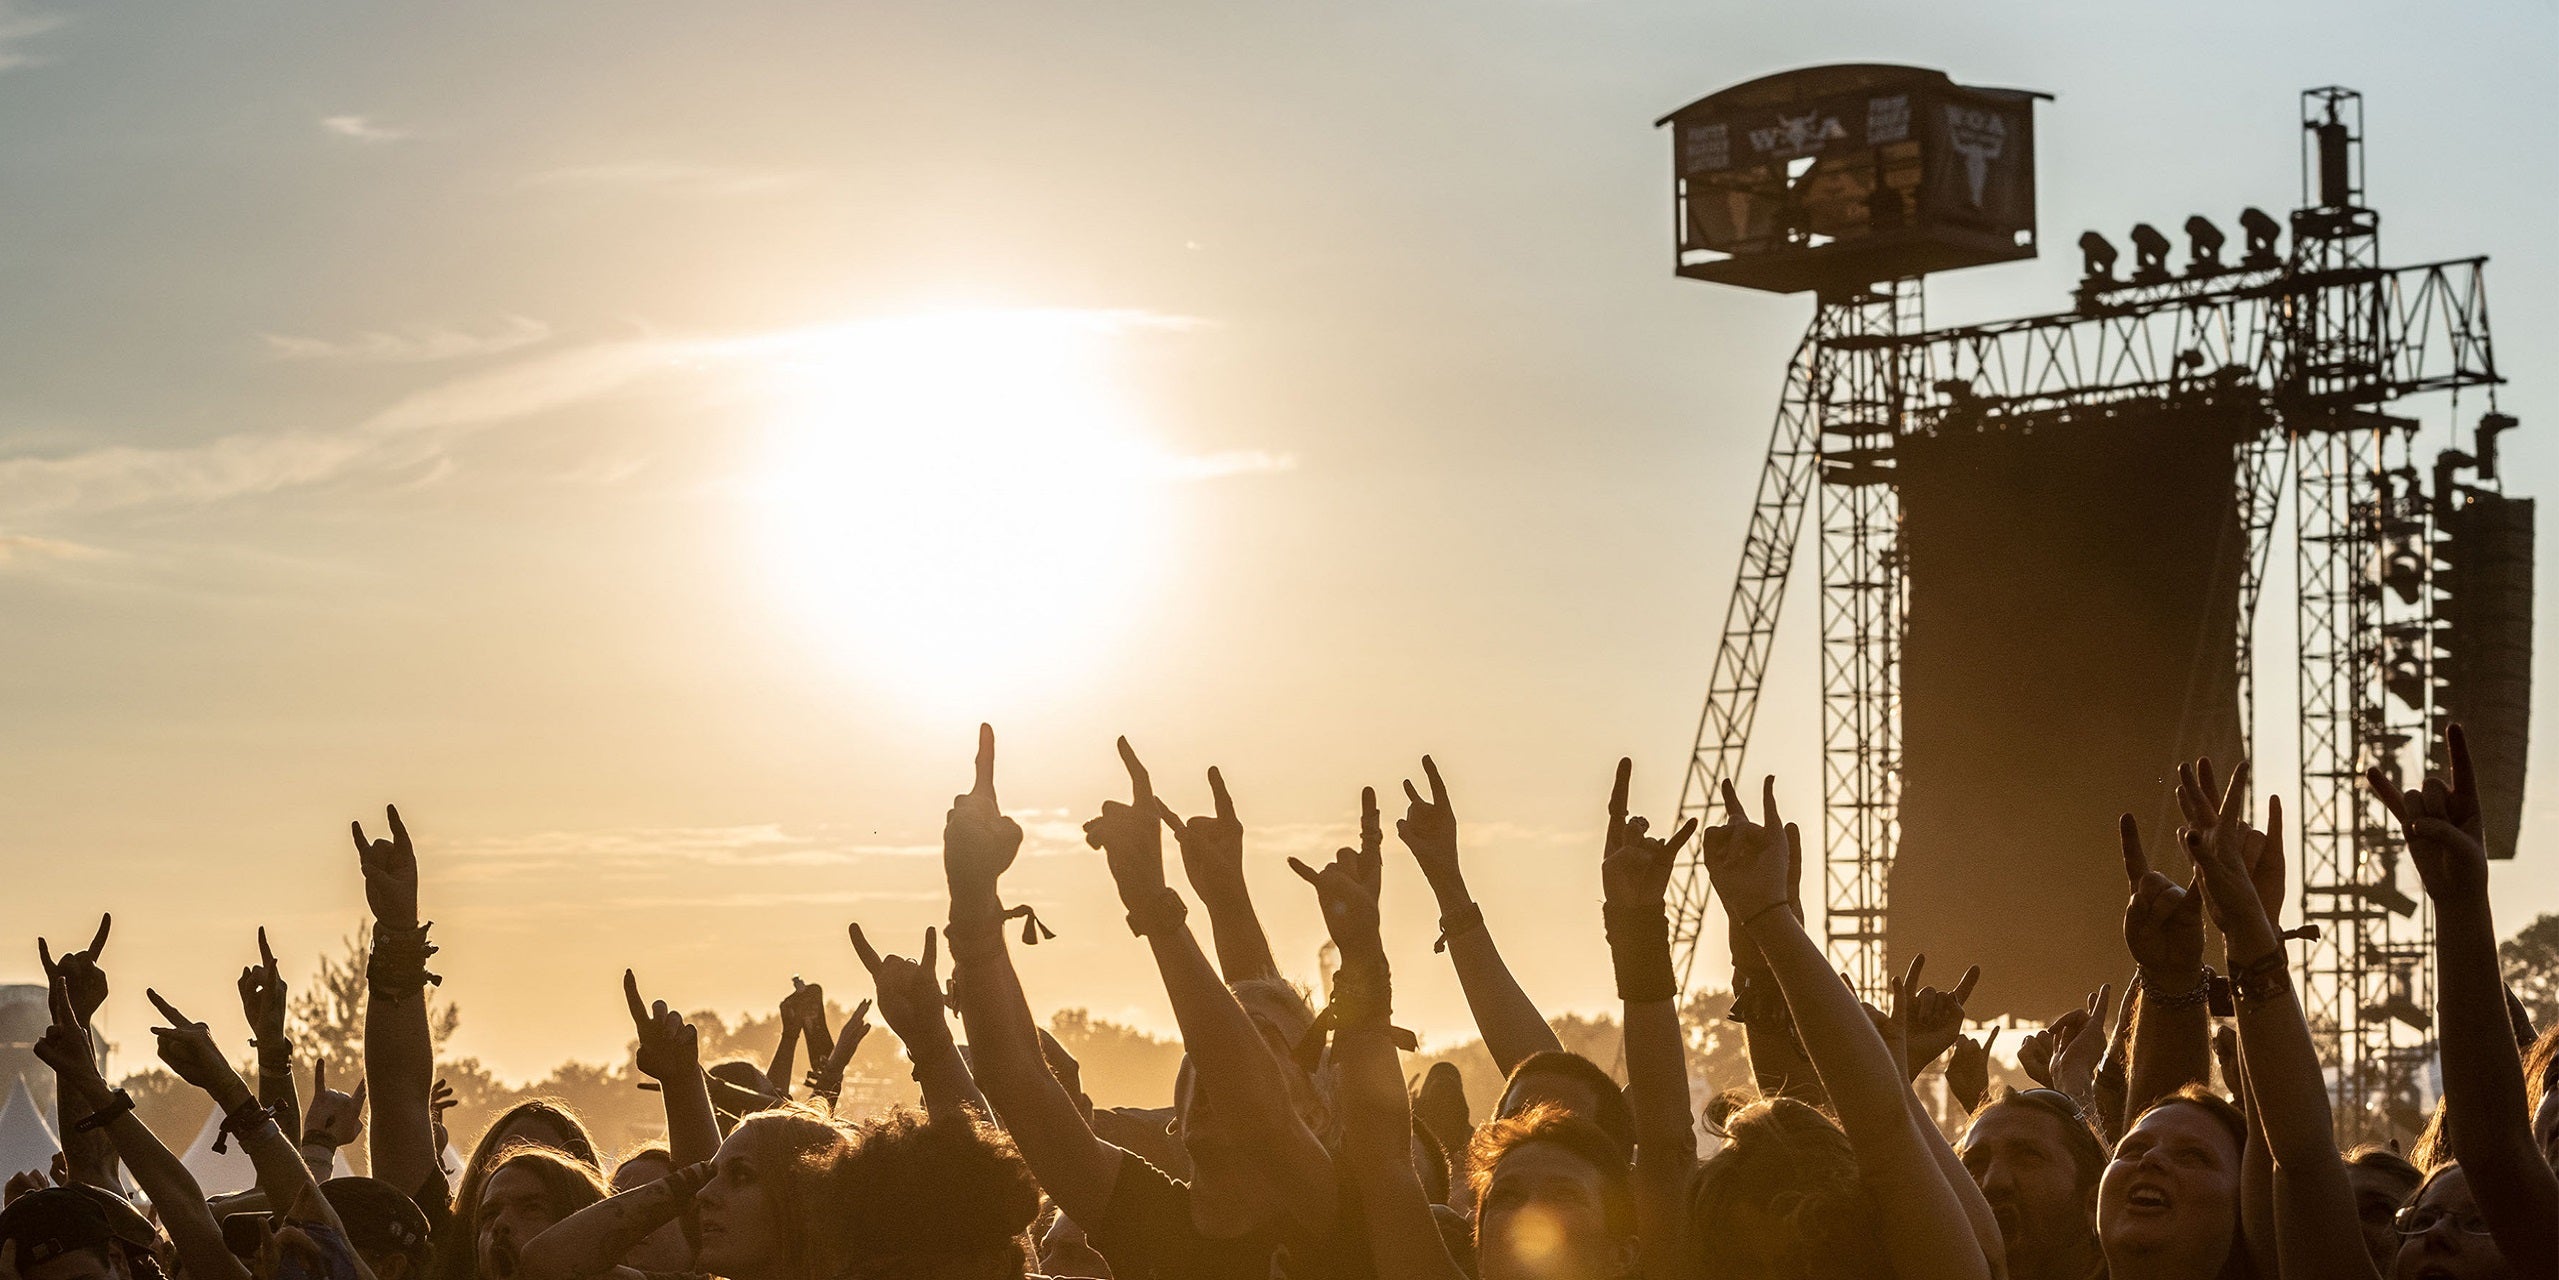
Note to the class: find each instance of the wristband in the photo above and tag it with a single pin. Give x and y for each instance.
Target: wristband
(1034, 930)
(242, 1121)
(2188, 999)
(118, 1103)
(2263, 978)
(1363, 999)
(397, 968)
(1161, 913)
(1455, 924)
(1639, 950)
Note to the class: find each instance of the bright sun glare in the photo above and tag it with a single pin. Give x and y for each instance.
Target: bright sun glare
(962, 501)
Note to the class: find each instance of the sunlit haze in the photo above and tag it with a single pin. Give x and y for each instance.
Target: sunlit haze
(643, 441)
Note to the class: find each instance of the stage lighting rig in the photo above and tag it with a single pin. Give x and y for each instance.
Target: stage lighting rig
(2204, 242)
(2097, 256)
(2263, 233)
(2150, 255)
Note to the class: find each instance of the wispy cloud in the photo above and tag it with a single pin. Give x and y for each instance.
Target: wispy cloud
(417, 344)
(410, 430)
(1234, 462)
(19, 24)
(364, 129)
(675, 178)
(18, 548)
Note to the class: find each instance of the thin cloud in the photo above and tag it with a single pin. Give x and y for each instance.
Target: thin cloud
(418, 344)
(675, 178)
(18, 24)
(362, 129)
(19, 548)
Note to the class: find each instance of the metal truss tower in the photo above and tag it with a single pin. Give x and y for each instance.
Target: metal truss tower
(2321, 341)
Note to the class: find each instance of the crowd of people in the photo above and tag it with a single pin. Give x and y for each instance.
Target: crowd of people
(2156, 1145)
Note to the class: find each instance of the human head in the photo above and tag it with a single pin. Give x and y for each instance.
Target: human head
(146, 1252)
(764, 1211)
(930, 1199)
(62, 1235)
(1230, 1191)
(2444, 1237)
(2038, 1163)
(738, 1090)
(1280, 1012)
(1552, 1199)
(1576, 1084)
(2170, 1196)
(386, 1228)
(666, 1248)
(1782, 1199)
(2541, 1083)
(2382, 1180)
(527, 1190)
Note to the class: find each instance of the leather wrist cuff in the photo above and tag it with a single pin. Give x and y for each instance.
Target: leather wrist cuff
(1161, 913)
(1639, 949)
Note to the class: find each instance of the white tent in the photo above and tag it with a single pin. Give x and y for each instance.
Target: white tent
(26, 1141)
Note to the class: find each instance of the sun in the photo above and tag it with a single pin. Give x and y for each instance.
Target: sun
(963, 503)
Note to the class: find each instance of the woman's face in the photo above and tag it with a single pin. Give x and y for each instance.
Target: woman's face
(1230, 1197)
(664, 1249)
(2450, 1242)
(2377, 1196)
(514, 1208)
(740, 1212)
(2171, 1192)
(1545, 1217)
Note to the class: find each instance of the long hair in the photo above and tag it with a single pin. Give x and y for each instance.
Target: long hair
(934, 1199)
(457, 1254)
(796, 1150)
(1784, 1164)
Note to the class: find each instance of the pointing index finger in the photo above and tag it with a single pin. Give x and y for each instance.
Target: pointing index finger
(2136, 863)
(1617, 792)
(266, 954)
(1139, 785)
(862, 948)
(985, 784)
(1964, 986)
(399, 830)
(1439, 789)
(631, 995)
(98, 945)
(177, 1021)
(929, 953)
(1224, 805)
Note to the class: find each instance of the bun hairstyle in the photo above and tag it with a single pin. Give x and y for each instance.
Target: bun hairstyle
(1788, 1175)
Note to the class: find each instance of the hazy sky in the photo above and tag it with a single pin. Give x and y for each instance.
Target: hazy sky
(643, 439)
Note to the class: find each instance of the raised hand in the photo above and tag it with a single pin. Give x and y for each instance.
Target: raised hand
(978, 842)
(910, 990)
(1934, 1019)
(187, 1047)
(1429, 829)
(670, 1048)
(2442, 823)
(262, 993)
(1347, 888)
(1213, 845)
(1893, 1024)
(1635, 867)
(1752, 864)
(80, 969)
(2163, 922)
(1968, 1070)
(1130, 838)
(65, 1048)
(826, 1079)
(390, 872)
(334, 1119)
(804, 1008)
(1441, 1106)
(440, 1099)
(2075, 1056)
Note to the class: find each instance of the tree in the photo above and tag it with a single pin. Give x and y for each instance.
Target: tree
(325, 1015)
(2531, 961)
(1121, 1065)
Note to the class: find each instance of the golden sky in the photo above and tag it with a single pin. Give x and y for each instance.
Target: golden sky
(643, 439)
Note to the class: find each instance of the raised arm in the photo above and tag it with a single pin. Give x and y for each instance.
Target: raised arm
(1922, 1022)
(1512, 1028)
(2483, 1085)
(1234, 1064)
(262, 1002)
(2172, 1030)
(1377, 1120)
(911, 1003)
(335, 1120)
(291, 1192)
(86, 1150)
(1634, 876)
(786, 1052)
(1213, 861)
(593, 1241)
(670, 1052)
(979, 844)
(172, 1190)
(1777, 1062)
(1926, 1229)
(826, 1076)
(2316, 1227)
(399, 1053)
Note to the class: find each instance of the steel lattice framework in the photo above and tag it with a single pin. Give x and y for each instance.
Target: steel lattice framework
(2319, 340)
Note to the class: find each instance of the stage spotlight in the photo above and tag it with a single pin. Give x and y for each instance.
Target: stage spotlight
(2204, 240)
(2262, 231)
(2150, 254)
(2097, 259)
